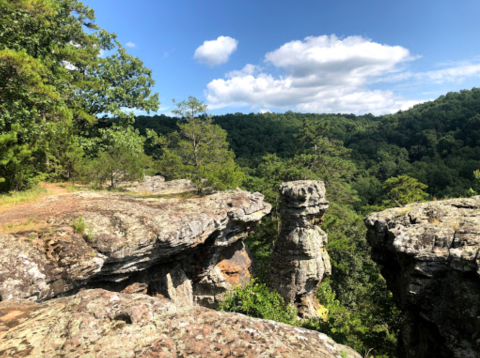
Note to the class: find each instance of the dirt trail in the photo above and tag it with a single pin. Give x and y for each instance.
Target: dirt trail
(53, 188)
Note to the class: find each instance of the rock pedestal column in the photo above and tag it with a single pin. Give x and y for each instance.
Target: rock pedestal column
(299, 260)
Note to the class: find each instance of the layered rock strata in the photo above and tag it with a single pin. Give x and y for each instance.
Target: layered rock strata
(99, 323)
(299, 260)
(430, 258)
(184, 249)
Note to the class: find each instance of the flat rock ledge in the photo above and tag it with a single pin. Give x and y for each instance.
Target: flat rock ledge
(99, 323)
(430, 258)
(182, 249)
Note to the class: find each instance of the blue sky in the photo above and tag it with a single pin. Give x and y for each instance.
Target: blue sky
(325, 56)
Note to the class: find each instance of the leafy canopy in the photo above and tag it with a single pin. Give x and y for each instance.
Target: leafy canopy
(53, 76)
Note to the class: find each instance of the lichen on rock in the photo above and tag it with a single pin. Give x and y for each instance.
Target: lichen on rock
(99, 323)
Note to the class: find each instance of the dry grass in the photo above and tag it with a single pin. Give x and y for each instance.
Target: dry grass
(15, 198)
(456, 226)
(403, 211)
(30, 224)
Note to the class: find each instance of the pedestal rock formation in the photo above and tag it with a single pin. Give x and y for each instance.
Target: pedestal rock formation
(299, 260)
(430, 257)
(185, 249)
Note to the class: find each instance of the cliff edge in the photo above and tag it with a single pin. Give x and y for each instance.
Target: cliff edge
(430, 258)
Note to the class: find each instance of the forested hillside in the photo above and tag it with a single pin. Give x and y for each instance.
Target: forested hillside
(436, 142)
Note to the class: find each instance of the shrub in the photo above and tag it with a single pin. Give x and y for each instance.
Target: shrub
(79, 225)
(256, 300)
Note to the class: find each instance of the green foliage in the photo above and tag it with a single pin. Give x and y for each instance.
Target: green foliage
(190, 109)
(400, 191)
(54, 83)
(256, 300)
(198, 151)
(17, 197)
(261, 244)
(79, 225)
(403, 190)
(120, 156)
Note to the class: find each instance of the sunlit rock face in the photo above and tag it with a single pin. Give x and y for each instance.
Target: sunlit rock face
(185, 249)
(430, 258)
(299, 260)
(99, 323)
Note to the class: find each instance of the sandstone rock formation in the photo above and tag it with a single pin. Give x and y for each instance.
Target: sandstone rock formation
(299, 260)
(99, 323)
(431, 261)
(183, 249)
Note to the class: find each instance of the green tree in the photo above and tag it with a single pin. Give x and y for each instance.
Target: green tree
(199, 151)
(120, 157)
(190, 109)
(404, 190)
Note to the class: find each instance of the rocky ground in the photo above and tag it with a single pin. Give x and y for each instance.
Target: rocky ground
(99, 323)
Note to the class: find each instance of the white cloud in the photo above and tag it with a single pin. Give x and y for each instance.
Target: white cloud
(321, 74)
(328, 60)
(130, 44)
(216, 52)
(455, 73)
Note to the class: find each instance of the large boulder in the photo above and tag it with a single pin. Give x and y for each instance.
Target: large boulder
(99, 323)
(122, 242)
(429, 254)
(299, 259)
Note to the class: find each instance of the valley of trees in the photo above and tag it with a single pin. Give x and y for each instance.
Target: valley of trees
(66, 115)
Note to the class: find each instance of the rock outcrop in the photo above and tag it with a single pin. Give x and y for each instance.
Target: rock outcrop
(158, 186)
(430, 258)
(299, 260)
(99, 323)
(179, 248)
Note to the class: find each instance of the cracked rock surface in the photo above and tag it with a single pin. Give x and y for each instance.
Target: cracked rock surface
(121, 242)
(299, 259)
(430, 258)
(99, 323)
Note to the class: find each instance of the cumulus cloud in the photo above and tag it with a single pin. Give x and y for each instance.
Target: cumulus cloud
(130, 44)
(216, 52)
(321, 74)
